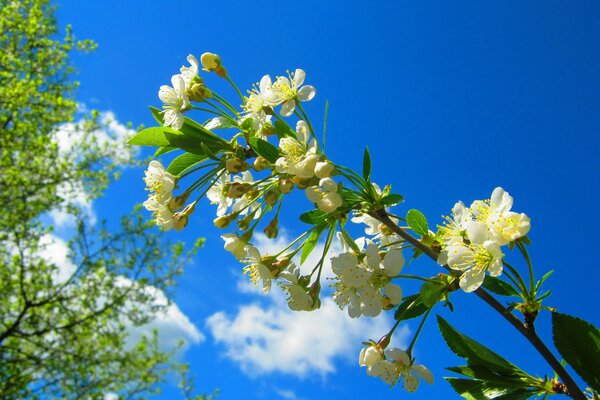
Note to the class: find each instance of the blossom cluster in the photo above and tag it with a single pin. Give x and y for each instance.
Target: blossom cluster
(393, 365)
(472, 239)
(249, 175)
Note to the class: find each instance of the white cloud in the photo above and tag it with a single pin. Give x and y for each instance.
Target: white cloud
(111, 135)
(286, 394)
(56, 251)
(269, 338)
(172, 324)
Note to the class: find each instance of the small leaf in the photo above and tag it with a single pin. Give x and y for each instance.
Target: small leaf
(499, 286)
(219, 123)
(314, 217)
(265, 149)
(541, 281)
(184, 162)
(310, 243)
(367, 165)
(163, 150)
(431, 291)
(348, 240)
(166, 137)
(391, 200)
(411, 307)
(283, 130)
(417, 222)
(473, 351)
(485, 374)
(578, 342)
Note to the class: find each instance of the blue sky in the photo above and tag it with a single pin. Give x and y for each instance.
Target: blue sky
(452, 98)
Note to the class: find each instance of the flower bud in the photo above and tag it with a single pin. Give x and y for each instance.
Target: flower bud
(267, 129)
(260, 164)
(235, 165)
(180, 222)
(324, 169)
(178, 202)
(198, 90)
(244, 223)
(222, 221)
(235, 190)
(285, 185)
(272, 230)
(212, 63)
(302, 183)
(271, 198)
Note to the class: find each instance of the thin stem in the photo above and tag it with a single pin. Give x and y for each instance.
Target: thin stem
(521, 284)
(408, 276)
(573, 390)
(414, 339)
(235, 87)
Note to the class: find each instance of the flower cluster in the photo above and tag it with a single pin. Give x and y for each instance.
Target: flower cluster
(160, 183)
(393, 365)
(472, 238)
(249, 175)
(363, 281)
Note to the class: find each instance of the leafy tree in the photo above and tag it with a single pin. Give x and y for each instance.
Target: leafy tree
(63, 326)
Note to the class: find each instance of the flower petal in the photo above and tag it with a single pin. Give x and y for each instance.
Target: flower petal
(307, 93)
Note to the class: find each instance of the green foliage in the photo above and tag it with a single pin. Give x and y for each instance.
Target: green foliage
(499, 286)
(578, 342)
(264, 149)
(491, 376)
(417, 222)
(64, 327)
(367, 165)
(311, 243)
(184, 162)
(411, 307)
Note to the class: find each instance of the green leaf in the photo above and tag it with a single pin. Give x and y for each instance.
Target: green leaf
(348, 239)
(485, 374)
(265, 149)
(283, 130)
(163, 150)
(417, 222)
(310, 243)
(541, 281)
(578, 342)
(411, 307)
(431, 291)
(166, 137)
(220, 123)
(314, 217)
(499, 286)
(367, 165)
(480, 390)
(184, 162)
(473, 351)
(193, 129)
(391, 200)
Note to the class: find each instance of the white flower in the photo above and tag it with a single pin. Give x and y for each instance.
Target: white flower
(398, 367)
(298, 155)
(324, 169)
(175, 102)
(287, 91)
(256, 269)
(369, 356)
(235, 245)
(260, 97)
(189, 73)
(160, 183)
(360, 283)
(505, 226)
(325, 196)
(217, 194)
(298, 297)
(379, 232)
(474, 260)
